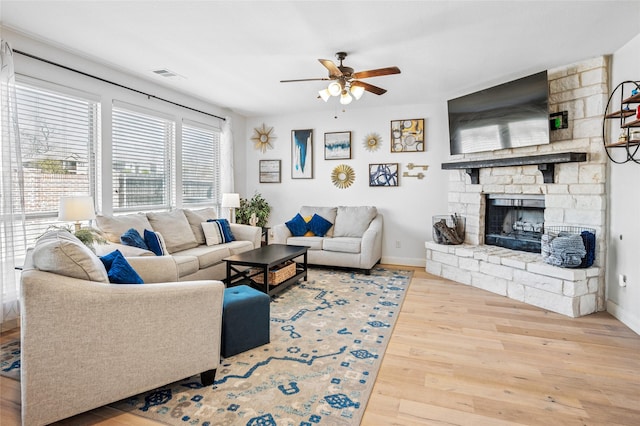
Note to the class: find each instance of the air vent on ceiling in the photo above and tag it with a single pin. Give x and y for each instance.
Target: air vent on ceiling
(166, 73)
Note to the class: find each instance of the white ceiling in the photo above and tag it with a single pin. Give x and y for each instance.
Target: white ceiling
(234, 53)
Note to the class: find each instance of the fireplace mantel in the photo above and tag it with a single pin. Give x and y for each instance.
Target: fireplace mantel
(546, 164)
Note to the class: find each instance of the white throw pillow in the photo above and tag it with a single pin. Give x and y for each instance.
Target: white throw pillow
(211, 233)
(196, 217)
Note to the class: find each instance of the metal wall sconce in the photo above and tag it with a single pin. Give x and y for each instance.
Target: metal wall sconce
(412, 166)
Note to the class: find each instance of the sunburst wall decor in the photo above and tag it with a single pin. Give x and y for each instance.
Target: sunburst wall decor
(343, 176)
(262, 138)
(372, 141)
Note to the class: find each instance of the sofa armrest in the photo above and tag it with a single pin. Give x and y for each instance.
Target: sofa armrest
(107, 342)
(371, 246)
(281, 233)
(243, 232)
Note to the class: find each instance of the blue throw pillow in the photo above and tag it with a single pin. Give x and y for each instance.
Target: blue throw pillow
(225, 230)
(119, 270)
(153, 242)
(319, 225)
(134, 239)
(297, 226)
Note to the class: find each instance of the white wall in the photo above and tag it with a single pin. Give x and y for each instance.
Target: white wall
(624, 205)
(407, 209)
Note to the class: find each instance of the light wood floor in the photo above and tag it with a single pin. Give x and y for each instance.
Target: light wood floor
(463, 356)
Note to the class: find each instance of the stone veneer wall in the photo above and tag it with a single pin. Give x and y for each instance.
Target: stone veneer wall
(577, 198)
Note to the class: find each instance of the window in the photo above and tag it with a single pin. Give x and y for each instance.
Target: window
(58, 139)
(142, 146)
(200, 165)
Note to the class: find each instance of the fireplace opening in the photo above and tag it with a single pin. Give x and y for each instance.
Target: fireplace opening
(514, 221)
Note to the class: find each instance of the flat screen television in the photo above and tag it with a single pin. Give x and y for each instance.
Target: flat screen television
(510, 115)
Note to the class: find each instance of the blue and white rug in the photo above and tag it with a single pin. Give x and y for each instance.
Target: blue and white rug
(328, 337)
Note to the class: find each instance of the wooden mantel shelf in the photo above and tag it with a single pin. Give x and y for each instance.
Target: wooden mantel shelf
(546, 164)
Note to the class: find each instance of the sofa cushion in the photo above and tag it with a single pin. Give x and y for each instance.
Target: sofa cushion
(195, 219)
(237, 247)
(133, 238)
(186, 265)
(175, 229)
(353, 221)
(342, 244)
(118, 269)
(314, 243)
(62, 253)
(114, 226)
(208, 255)
(328, 213)
(297, 225)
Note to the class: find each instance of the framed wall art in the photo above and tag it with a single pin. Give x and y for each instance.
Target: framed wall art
(383, 174)
(302, 154)
(407, 135)
(269, 171)
(337, 146)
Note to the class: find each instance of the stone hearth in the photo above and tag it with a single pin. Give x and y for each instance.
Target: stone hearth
(575, 196)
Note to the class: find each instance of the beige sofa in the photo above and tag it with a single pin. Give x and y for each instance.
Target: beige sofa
(184, 240)
(87, 343)
(354, 240)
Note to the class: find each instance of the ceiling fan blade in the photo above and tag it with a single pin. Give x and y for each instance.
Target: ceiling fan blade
(305, 79)
(377, 72)
(333, 69)
(370, 87)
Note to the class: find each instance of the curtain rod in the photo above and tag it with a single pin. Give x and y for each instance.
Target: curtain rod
(114, 83)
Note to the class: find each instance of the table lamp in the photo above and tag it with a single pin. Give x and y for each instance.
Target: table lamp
(231, 201)
(75, 209)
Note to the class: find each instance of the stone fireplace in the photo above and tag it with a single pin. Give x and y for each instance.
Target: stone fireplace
(569, 193)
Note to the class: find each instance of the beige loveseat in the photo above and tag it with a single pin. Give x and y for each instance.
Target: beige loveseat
(184, 240)
(87, 343)
(354, 240)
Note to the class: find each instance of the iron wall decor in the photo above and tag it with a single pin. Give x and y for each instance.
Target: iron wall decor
(407, 135)
(383, 174)
(263, 138)
(337, 146)
(269, 171)
(302, 154)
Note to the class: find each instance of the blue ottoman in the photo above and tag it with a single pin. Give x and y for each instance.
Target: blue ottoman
(245, 319)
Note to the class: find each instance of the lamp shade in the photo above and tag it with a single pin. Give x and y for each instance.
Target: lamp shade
(77, 208)
(357, 91)
(230, 200)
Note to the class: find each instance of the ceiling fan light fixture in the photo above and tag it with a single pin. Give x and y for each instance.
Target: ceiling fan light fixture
(357, 91)
(345, 98)
(334, 88)
(324, 94)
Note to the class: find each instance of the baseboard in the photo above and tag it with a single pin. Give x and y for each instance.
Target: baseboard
(404, 261)
(627, 318)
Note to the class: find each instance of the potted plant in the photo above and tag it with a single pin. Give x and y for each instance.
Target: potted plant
(257, 210)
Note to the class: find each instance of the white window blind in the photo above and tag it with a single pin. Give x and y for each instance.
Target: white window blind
(58, 138)
(200, 165)
(143, 175)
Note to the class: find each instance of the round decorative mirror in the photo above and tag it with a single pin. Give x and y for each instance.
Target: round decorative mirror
(262, 138)
(343, 176)
(372, 141)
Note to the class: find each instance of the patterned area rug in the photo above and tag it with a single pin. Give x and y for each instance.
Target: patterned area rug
(328, 337)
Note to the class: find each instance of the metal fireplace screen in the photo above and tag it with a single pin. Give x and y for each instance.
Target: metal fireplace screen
(515, 221)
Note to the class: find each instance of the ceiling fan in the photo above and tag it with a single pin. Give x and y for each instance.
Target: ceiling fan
(345, 82)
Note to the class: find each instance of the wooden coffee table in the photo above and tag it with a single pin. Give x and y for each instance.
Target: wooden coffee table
(260, 262)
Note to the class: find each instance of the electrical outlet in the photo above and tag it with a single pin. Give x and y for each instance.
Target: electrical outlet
(397, 244)
(622, 280)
